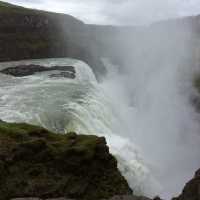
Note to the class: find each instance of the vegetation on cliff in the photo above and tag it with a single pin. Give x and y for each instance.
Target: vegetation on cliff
(8, 8)
(38, 163)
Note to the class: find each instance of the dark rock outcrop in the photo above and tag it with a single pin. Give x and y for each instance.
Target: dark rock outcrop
(191, 190)
(27, 70)
(37, 163)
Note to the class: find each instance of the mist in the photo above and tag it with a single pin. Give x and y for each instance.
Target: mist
(152, 92)
(116, 12)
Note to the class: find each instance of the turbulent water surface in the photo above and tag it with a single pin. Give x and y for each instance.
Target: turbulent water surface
(140, 127)
(64, 105)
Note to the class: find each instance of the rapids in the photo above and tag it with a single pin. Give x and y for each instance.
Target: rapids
(146, 116)
(81, 105)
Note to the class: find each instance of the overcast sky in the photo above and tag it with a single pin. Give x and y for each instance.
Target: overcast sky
(123, 12)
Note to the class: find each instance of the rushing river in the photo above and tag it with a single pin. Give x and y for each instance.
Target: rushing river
(81, 105)
(145, 119)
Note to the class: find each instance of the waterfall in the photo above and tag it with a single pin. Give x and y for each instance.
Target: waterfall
(81, 105)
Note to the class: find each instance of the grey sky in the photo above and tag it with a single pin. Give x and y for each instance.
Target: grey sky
(117, 11)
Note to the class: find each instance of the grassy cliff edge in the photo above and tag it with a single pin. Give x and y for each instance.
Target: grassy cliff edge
(38, 163)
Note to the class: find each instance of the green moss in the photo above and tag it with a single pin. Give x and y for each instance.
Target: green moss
(37, 162)
(19, 131)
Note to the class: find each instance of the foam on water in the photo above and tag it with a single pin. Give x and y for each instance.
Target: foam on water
(79, 105)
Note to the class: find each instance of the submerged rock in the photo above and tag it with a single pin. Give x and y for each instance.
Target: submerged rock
(63, 75)
(27, 70)
(37, 163)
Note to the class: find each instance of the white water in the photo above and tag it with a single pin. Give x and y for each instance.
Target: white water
(79, 105)
(146, 126)
(155, 103)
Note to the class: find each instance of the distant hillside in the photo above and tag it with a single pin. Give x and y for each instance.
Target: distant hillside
(28, 34)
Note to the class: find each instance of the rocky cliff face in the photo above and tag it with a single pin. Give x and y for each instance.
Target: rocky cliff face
(35, 162)
(191, 190)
